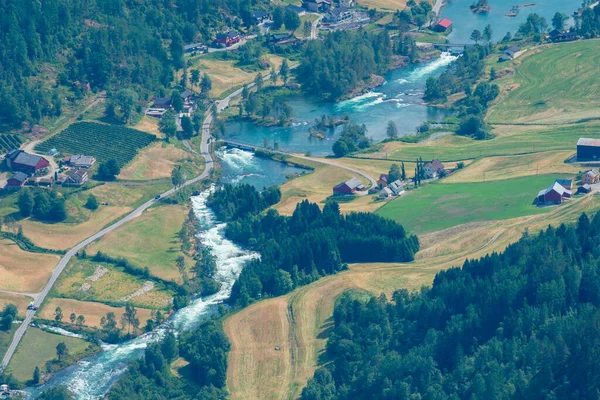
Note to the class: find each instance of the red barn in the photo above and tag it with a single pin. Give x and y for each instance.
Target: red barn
(228, 38)
(349, 187)
(444, 25)
(16, 181)
(18, 160)
(555, 194)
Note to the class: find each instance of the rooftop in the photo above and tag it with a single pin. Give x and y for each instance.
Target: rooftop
(588, 142)
(19, 176)
(259, 14)
(192, 46)
(24, 158)
(446, 23)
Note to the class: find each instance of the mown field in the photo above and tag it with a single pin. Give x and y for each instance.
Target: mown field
(22, 271)
(438, 206)
(105, 142)
(557, 84)
(114, 285)
(37, 347)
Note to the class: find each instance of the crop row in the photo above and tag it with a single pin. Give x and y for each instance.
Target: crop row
(105, 142)
(8, 142)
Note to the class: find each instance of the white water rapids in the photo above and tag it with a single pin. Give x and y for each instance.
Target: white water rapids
(91, 379)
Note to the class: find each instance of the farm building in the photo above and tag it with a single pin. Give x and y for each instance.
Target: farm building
(18, 160)
(509, 54)
(227, 39)
(349, 187)
(77, 178)
(558, 36)
(566, 183)
(260, 16)
(383, 178)
(385, 193)
(186, 96)
(397, 187)
(588, 149)
(16, 182)
(584, 189)
(317, 5)
(555, 194)
(163, 103)
(80, 161)
(445, 25)
(590, 177)
(433, 169)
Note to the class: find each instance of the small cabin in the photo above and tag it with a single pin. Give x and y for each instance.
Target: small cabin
(445, 25)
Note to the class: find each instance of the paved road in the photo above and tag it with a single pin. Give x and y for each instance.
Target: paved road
(204, 151)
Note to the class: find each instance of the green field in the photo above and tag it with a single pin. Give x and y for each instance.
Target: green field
(5, 339)
(439, 206)
(516, 140)
(558, 84)
(38, 347)
(105, 142)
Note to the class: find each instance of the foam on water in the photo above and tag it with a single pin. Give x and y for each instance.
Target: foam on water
(91, 379)
(236, 158)
(444, 60)
(363, 101)
(61, 331)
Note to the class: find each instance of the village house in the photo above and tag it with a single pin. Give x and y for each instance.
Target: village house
(590, 177)
(18, 160)
(558, 36)
(16, 182)
(509, 54)
(227, 39)
(385, 193)
(80, 161)
(260, 16)
(555, 194)
(317, 5)
(349, 187)
(77, 178)
(584, 189)
(588, 149)
(433, 169)
(163, 103)
(397, 187)
(445, 25)
(338, 16)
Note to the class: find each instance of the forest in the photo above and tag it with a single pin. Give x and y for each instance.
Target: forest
(52, 47)
(300, 249)
(519, 324)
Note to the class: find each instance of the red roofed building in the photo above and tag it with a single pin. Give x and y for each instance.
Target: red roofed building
(444, 25)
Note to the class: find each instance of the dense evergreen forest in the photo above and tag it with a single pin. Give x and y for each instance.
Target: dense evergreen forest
(299, 249)
(522, 324)
(205, 348)
(129, 47)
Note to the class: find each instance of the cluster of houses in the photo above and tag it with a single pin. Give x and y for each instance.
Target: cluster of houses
(395, 188)
(558, 36)
(562, 189)
(33, 169)
(162, 104)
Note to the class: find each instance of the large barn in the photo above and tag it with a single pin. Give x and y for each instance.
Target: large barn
(349, 187)
(588, 149)
(18, 160)
(555, 194)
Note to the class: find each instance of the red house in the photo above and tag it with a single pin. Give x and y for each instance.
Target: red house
(555, 194)
(16, 182)
(18, 160)
(227, 39)
(349, 187)
(444, 25)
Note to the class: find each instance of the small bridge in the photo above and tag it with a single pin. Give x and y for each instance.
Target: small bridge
(245, 146)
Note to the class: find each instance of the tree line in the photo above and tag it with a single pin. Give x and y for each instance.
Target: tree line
(518, 324)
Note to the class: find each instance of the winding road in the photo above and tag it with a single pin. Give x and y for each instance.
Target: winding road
(39, 299)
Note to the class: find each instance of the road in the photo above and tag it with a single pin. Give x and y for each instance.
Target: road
(314, 31)
(204, 151)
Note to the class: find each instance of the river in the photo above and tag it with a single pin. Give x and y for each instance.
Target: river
(465, 21)
(399, 99)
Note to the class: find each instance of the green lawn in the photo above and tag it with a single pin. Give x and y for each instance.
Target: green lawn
(559, 83)
(6, 338)
(38, 347)
(530, 139)
(439, 206)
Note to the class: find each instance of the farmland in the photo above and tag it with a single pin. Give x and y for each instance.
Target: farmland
(105, 142)
(22, 271)
(439, 206)
(9, 142)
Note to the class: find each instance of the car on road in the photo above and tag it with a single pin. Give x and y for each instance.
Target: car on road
(32, 306)
(157, 197)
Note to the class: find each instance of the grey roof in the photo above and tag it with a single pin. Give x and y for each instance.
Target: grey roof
(564, 182)
(186, 93)
(352, 184)
(24, 158)
(19, 176)
(513, 50)
(162, 101)
(80, 159)
(588, 142)
(557, 187)
(435, 165)
(192, 46)
(13, 153)
(592, 173)
(337, 11)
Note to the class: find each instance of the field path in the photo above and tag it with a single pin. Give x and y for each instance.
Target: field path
(204, 150)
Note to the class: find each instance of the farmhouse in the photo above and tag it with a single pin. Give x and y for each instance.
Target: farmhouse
(194, 48)
(163, 103)
(383, 179)
(77, 178)
(316, 5)
(558, 36)
(397, 187)
(555, 194)
(349, 187)
(584, 189)
(187, 96)
(433, 169)
(260, 16)
(385, 193)
(590, 177)
(80, 161)
(18, 160)
(227, 39)
(16, 182)
(445, 25)
(588, 149)
(509, 54)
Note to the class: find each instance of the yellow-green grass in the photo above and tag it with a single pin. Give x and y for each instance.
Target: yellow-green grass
(149, 241)
(149, 125)
(6, 339)
(505, 167)
(37, 347)
(556, 85)
(299, 33)
(385, 5)
(439, 206)
(509, 140)
(157, 162)
(424, 37)
(22, 271)
(92, 311)
(20, 301)
(114, 285)
(8, 204)
(298, 322)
